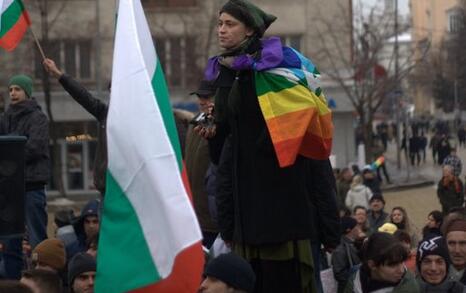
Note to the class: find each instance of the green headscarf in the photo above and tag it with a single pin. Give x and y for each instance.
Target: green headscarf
(249, 14)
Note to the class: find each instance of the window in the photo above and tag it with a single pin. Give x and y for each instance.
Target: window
(178, 58)
(294, 41)
(455, 20)
(73, 56)
(169, 3)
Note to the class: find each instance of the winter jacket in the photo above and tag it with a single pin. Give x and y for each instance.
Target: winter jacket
(258, 201)
(373, 184)
(344, 258)
(360, 280)
(451, 195)
(376, 223)
(27, 119)
(447, 286)
(197, 162)
(99, 110)
(358, 195)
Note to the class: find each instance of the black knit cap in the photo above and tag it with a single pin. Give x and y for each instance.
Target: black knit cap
(432, 245)
(233, 271)
(347, 224)
(80, 263)
(249, 14)
(206, 89)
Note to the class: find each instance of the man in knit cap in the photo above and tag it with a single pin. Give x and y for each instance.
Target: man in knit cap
(228, 273)
(455, 235)
(345, 256)
(24, 117)
(49, 255)
(81, 273)
(433, 263)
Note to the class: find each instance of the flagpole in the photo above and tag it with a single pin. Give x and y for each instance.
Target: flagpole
(38, 44)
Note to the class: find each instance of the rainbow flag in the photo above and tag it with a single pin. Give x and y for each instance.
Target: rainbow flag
(295, 109)
(14, 21)
(377, 163)
(150, 240)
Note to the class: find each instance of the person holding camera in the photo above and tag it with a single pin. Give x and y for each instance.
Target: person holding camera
(200, 169)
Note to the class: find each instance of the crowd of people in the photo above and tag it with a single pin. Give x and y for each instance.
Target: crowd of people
(265, 228)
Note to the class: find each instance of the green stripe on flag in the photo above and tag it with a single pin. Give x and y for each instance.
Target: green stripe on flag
(163, 100)
(11, 16)
(269, 82)
(122, 242)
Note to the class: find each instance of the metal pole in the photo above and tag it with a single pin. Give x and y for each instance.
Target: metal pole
(397, 96)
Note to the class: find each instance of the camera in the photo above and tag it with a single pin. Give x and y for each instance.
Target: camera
(202, 119)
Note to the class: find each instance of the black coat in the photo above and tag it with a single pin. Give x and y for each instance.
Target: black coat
(99, 110)
(259, 202)
(27, 119)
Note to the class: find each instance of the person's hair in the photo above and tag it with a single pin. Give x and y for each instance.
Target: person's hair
(11, 286)
(453, 215)
(93, 241)
(437, 215)
(357, 179)
(383, 249)
(342, 172)
(405, 224)
(47, 281)
(359, 208)
(402, 236)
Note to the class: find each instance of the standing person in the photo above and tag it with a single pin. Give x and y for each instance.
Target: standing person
(360, 214)
(96, 108)
(433, 224)
(382, 268)
(24, 117)
(376, 216)
(264, 211)
(433, 264)
(455, 236)
(461, 136)
(358, 195)
(443, 148)
(343, 185)
(453, 160)
(197, 164)
(414, 149)
(450, 190)
(400, 218)
(423, 146)
(434, 141)
(370, 180)
(345, 257)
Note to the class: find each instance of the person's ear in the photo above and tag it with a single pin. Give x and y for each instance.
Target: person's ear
(249, 32)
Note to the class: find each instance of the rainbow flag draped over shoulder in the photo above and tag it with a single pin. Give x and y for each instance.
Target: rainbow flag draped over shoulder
(291, 100)
(14, 21)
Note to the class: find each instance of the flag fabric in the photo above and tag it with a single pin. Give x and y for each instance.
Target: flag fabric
(377, 163)
(14, 21)
(294, 107)
(149, 238)
(295, 110)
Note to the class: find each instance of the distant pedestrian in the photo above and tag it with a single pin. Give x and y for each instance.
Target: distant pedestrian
(443, 148)
(358, 195)
(433, 145)
(422, 146)
(450, 190)
(453, 160)
(343, 185)
(376, 216)
(461, 136)
(370, 180)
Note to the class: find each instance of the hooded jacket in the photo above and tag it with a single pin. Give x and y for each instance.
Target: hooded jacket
(27, 119)
(358, 195)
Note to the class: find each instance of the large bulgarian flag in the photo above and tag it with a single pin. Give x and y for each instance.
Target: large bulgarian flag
(14, 21)
(149, 238)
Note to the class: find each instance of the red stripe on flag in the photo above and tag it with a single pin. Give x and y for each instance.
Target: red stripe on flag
(186, 275)
(185, 179)
(11, 39)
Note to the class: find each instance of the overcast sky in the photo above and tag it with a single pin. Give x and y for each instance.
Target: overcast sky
(403, 5)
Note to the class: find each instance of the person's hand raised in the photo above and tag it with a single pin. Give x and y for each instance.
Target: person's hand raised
(52, 68)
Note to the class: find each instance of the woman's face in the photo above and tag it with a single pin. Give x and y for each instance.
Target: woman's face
(397, 216)
(431, 223)
(360, 215)
(388, 273)
(231, 32)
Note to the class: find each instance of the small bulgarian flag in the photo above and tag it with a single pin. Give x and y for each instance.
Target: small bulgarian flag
(295, 109)
(150, 240)
(14, 21)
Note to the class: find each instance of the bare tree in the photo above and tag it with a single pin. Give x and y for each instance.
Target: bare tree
(367, 74)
